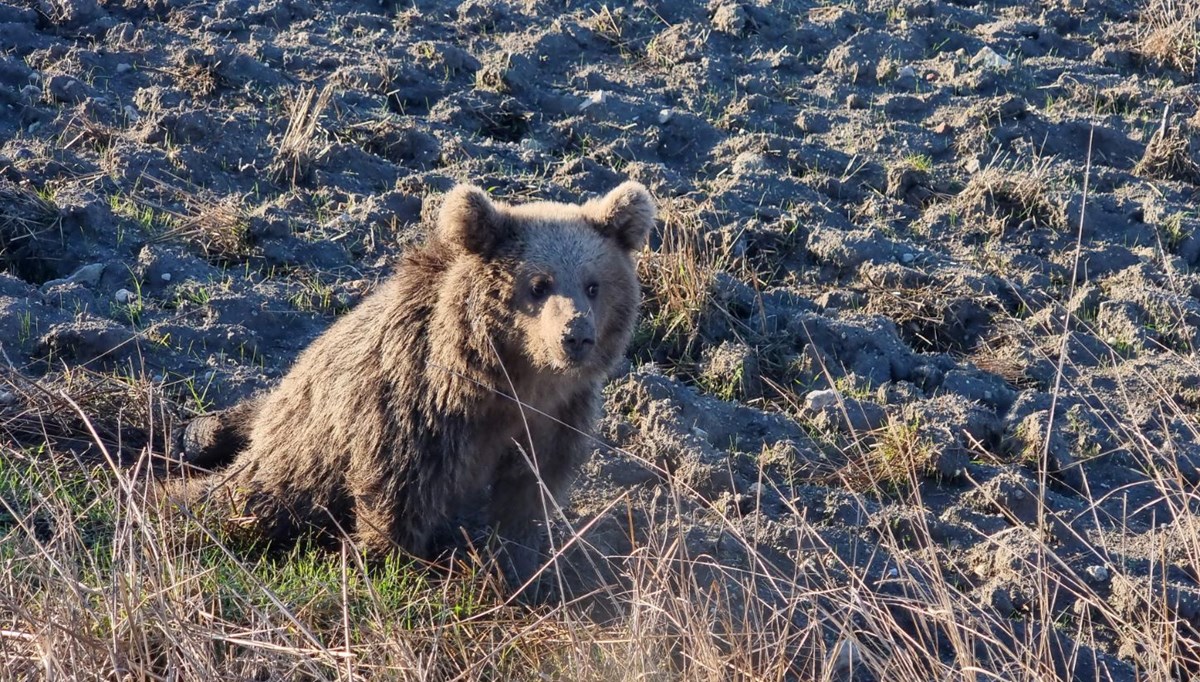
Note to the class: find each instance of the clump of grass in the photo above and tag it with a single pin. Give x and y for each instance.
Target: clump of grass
(1173, 231)
(196, 74)
(496, 74)
(301, 146)
(1169, 33)
(1004, 199)
(616, 27)
(314, 295)
(220, 227)
(678, 279)
(26, 218)
(1168, 156)
(130, 410)
(897, 457)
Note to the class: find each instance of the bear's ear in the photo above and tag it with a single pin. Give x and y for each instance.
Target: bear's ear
(470, 220)
(625, 214)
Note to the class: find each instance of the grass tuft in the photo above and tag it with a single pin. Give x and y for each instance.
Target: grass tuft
(301, 144)
(1169, 33)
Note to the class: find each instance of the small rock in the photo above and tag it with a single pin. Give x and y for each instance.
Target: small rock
(7, 398)
(990, 59)
(906, 71)
(597, 98)
(665, 115)
(66, 89)
(856, 101)
(1098, 573)
(88, 275)
(166, 277)
(124, 67)
(907, 258)
(124, 296)
(817, 401)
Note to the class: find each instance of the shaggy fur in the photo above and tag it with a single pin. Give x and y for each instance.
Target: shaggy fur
(472, 372)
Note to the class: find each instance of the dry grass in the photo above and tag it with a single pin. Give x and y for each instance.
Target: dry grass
(999, 199)
(1169, 33)
(174, 210)
(220, 227)
(301, 145)
(1168, 155)
(899, 456)
(678, 279)
(25, 216)
(97, 584)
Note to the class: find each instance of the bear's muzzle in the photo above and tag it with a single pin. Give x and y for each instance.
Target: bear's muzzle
(579, 338)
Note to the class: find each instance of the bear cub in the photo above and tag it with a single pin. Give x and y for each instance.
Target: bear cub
(471, 374)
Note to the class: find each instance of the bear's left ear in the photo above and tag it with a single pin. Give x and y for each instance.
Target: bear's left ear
(625, 214)
(470, 221)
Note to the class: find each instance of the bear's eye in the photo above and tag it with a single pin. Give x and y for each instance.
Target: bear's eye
(539, 288)
(592, 290)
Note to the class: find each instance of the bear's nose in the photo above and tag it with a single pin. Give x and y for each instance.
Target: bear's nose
(578, 343)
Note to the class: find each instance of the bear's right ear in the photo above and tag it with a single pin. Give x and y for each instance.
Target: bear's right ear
(625, 214)
(469, 220)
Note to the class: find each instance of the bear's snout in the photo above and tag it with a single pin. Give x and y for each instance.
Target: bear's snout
(578, 339)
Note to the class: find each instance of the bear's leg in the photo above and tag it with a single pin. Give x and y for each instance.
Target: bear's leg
(383, 525)
(375, 524)
(213, 440)
(520, 512)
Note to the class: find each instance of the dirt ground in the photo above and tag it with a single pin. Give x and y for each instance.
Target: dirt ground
(922, 307)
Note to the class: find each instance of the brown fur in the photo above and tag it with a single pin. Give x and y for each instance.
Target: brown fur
(405, 413)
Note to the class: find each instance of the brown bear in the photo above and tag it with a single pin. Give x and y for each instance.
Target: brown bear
(473, 372)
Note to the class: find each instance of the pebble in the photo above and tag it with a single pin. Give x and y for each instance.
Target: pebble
(88, 275)
(1098, 573)
(817, 401)
(907, 258)
(66, 89)
(856, 101)
(7, 398)
(124, 67)
(166, 276)
(665, 115)
(989, 58)
(906, 71)
(124, 296)
(597, 98)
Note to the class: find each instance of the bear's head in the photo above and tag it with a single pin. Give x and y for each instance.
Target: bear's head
(564, 273)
